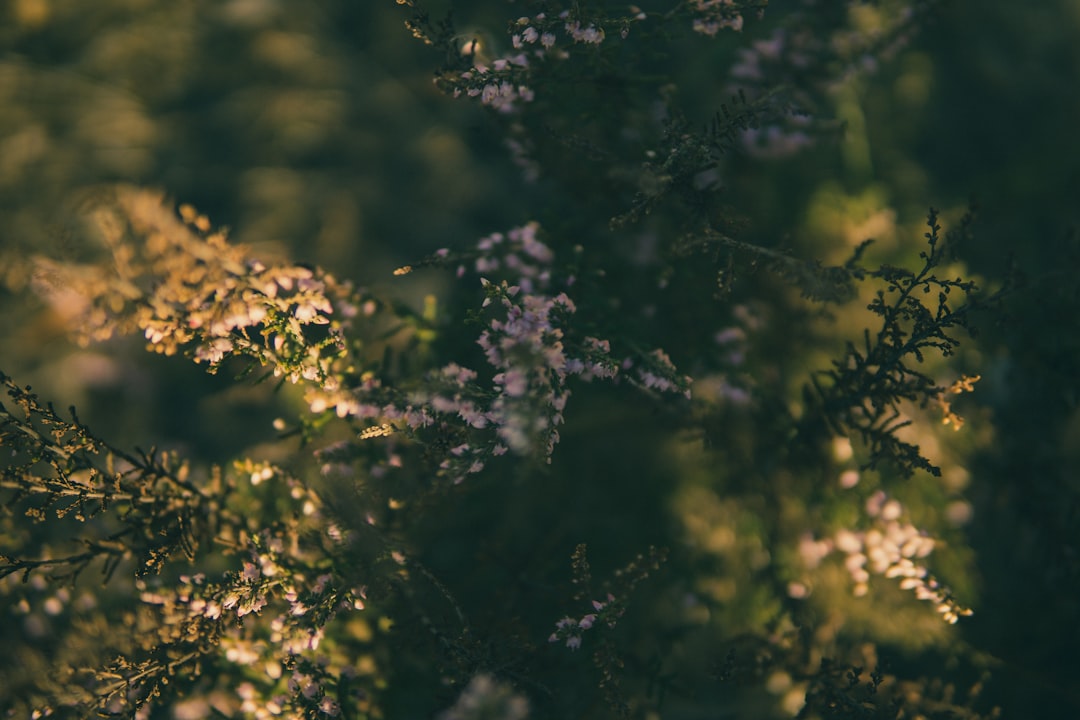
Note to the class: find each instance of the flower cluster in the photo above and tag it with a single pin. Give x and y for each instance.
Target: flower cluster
(499, 86)
(797, 50)
(712, 16)
(589, 34)
(524, 342)
(531, 349)
(890, 548)
(542, 29)
(526, 349)
(569, 630)
(812, 61)
(659, 373)
(505, 81)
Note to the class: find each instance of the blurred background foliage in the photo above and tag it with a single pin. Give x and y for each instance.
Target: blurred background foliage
(314, 130)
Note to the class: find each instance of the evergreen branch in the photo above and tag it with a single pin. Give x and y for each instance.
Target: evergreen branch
(59, 468)
(864, 391)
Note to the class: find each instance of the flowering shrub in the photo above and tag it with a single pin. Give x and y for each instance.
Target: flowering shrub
(397, 545)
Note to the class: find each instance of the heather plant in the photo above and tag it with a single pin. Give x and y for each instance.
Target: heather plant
(614, 462)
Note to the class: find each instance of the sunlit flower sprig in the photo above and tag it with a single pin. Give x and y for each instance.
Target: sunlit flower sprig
(185, 288)
(267, 614)
(262, 633)
(889, 548)
(268, 618)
